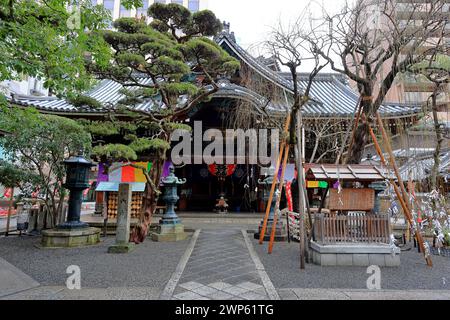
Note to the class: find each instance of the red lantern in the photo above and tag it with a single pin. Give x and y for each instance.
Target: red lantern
(221, 170)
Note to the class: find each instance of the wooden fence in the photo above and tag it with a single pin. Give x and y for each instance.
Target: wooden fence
(354, 227)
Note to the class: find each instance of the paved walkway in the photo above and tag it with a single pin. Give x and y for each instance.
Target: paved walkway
(355, 294)
(220, 265)
(216, 263)
(13, 280)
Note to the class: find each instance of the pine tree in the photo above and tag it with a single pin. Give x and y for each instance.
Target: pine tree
(183, 64)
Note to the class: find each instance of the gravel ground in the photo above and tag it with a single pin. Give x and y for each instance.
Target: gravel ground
(283, 265)
(151, 264)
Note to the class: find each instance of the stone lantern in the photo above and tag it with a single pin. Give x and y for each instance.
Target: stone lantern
(73, 232)
(77, 179)
(280, 232)
(170, 227)
(170, 183)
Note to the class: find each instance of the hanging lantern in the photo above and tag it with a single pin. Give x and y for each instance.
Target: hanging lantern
(221, 171)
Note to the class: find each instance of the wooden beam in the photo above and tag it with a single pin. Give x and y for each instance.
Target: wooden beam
(277, 204)
(387, 144)
(403, 204)
(274, 182)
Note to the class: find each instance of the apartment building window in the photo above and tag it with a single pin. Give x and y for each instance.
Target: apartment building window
(194, 5)
(124, 12)
(109, 5)
(160, 1)
(143, 10)
(178, 1)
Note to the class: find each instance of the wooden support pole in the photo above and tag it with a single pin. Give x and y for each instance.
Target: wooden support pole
(400, 198)
(277, 204)
(8, 219)
(274, 182)
(387, 144)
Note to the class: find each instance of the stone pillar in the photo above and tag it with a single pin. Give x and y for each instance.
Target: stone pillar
(378, 187)
(123, 244)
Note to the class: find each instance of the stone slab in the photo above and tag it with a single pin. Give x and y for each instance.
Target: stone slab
(392, 260)
(328, 259)
(355, 255)
(344, 259)
(355, 248)
(59, 238)
(280, 231)
(377, 259)
(169, 233)
(361, 259)
(13, 280)
(121, 248)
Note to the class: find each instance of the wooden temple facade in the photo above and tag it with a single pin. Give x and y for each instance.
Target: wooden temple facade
(260, 86)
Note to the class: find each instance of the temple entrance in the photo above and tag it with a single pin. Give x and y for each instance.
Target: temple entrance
(206, 183)
(203, 189)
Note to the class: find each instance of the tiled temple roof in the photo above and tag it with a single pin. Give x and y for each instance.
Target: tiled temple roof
(331, 96)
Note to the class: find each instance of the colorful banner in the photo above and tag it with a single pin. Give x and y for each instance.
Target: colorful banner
(102, 176)
(115, 172)
(166, 170)
(139, 174)
(119, 173)
(289, 196)
(289, 173)
(316, 184)
(128, 174)
(312, 184)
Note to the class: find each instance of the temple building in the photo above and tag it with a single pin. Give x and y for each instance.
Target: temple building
(259, 88)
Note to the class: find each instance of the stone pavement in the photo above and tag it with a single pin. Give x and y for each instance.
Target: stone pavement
(358, 294)
(62, 293)
(13, 280)
(222, 266)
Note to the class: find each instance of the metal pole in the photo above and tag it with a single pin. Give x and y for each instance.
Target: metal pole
(301, 194)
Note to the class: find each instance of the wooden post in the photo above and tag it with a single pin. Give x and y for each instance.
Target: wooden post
(277, 204)
(274, 182)
(387, 143)
(8, 219)
(400, 198)
(302, 242)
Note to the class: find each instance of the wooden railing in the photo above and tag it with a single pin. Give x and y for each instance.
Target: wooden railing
(354, 227)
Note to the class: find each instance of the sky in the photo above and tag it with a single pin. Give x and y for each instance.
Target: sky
(252, 20)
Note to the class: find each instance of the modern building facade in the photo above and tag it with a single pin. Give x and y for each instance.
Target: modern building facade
(119, 11)
(409, 14)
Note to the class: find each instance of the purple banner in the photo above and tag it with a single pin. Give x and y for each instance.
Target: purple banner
(165, 171)
(102, 176)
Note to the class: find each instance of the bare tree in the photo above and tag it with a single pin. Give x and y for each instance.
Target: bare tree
(289, 47)
(374, 41)
(437, 71)
(327, 135)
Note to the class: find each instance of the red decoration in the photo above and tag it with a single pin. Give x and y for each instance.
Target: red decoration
(221, 170)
